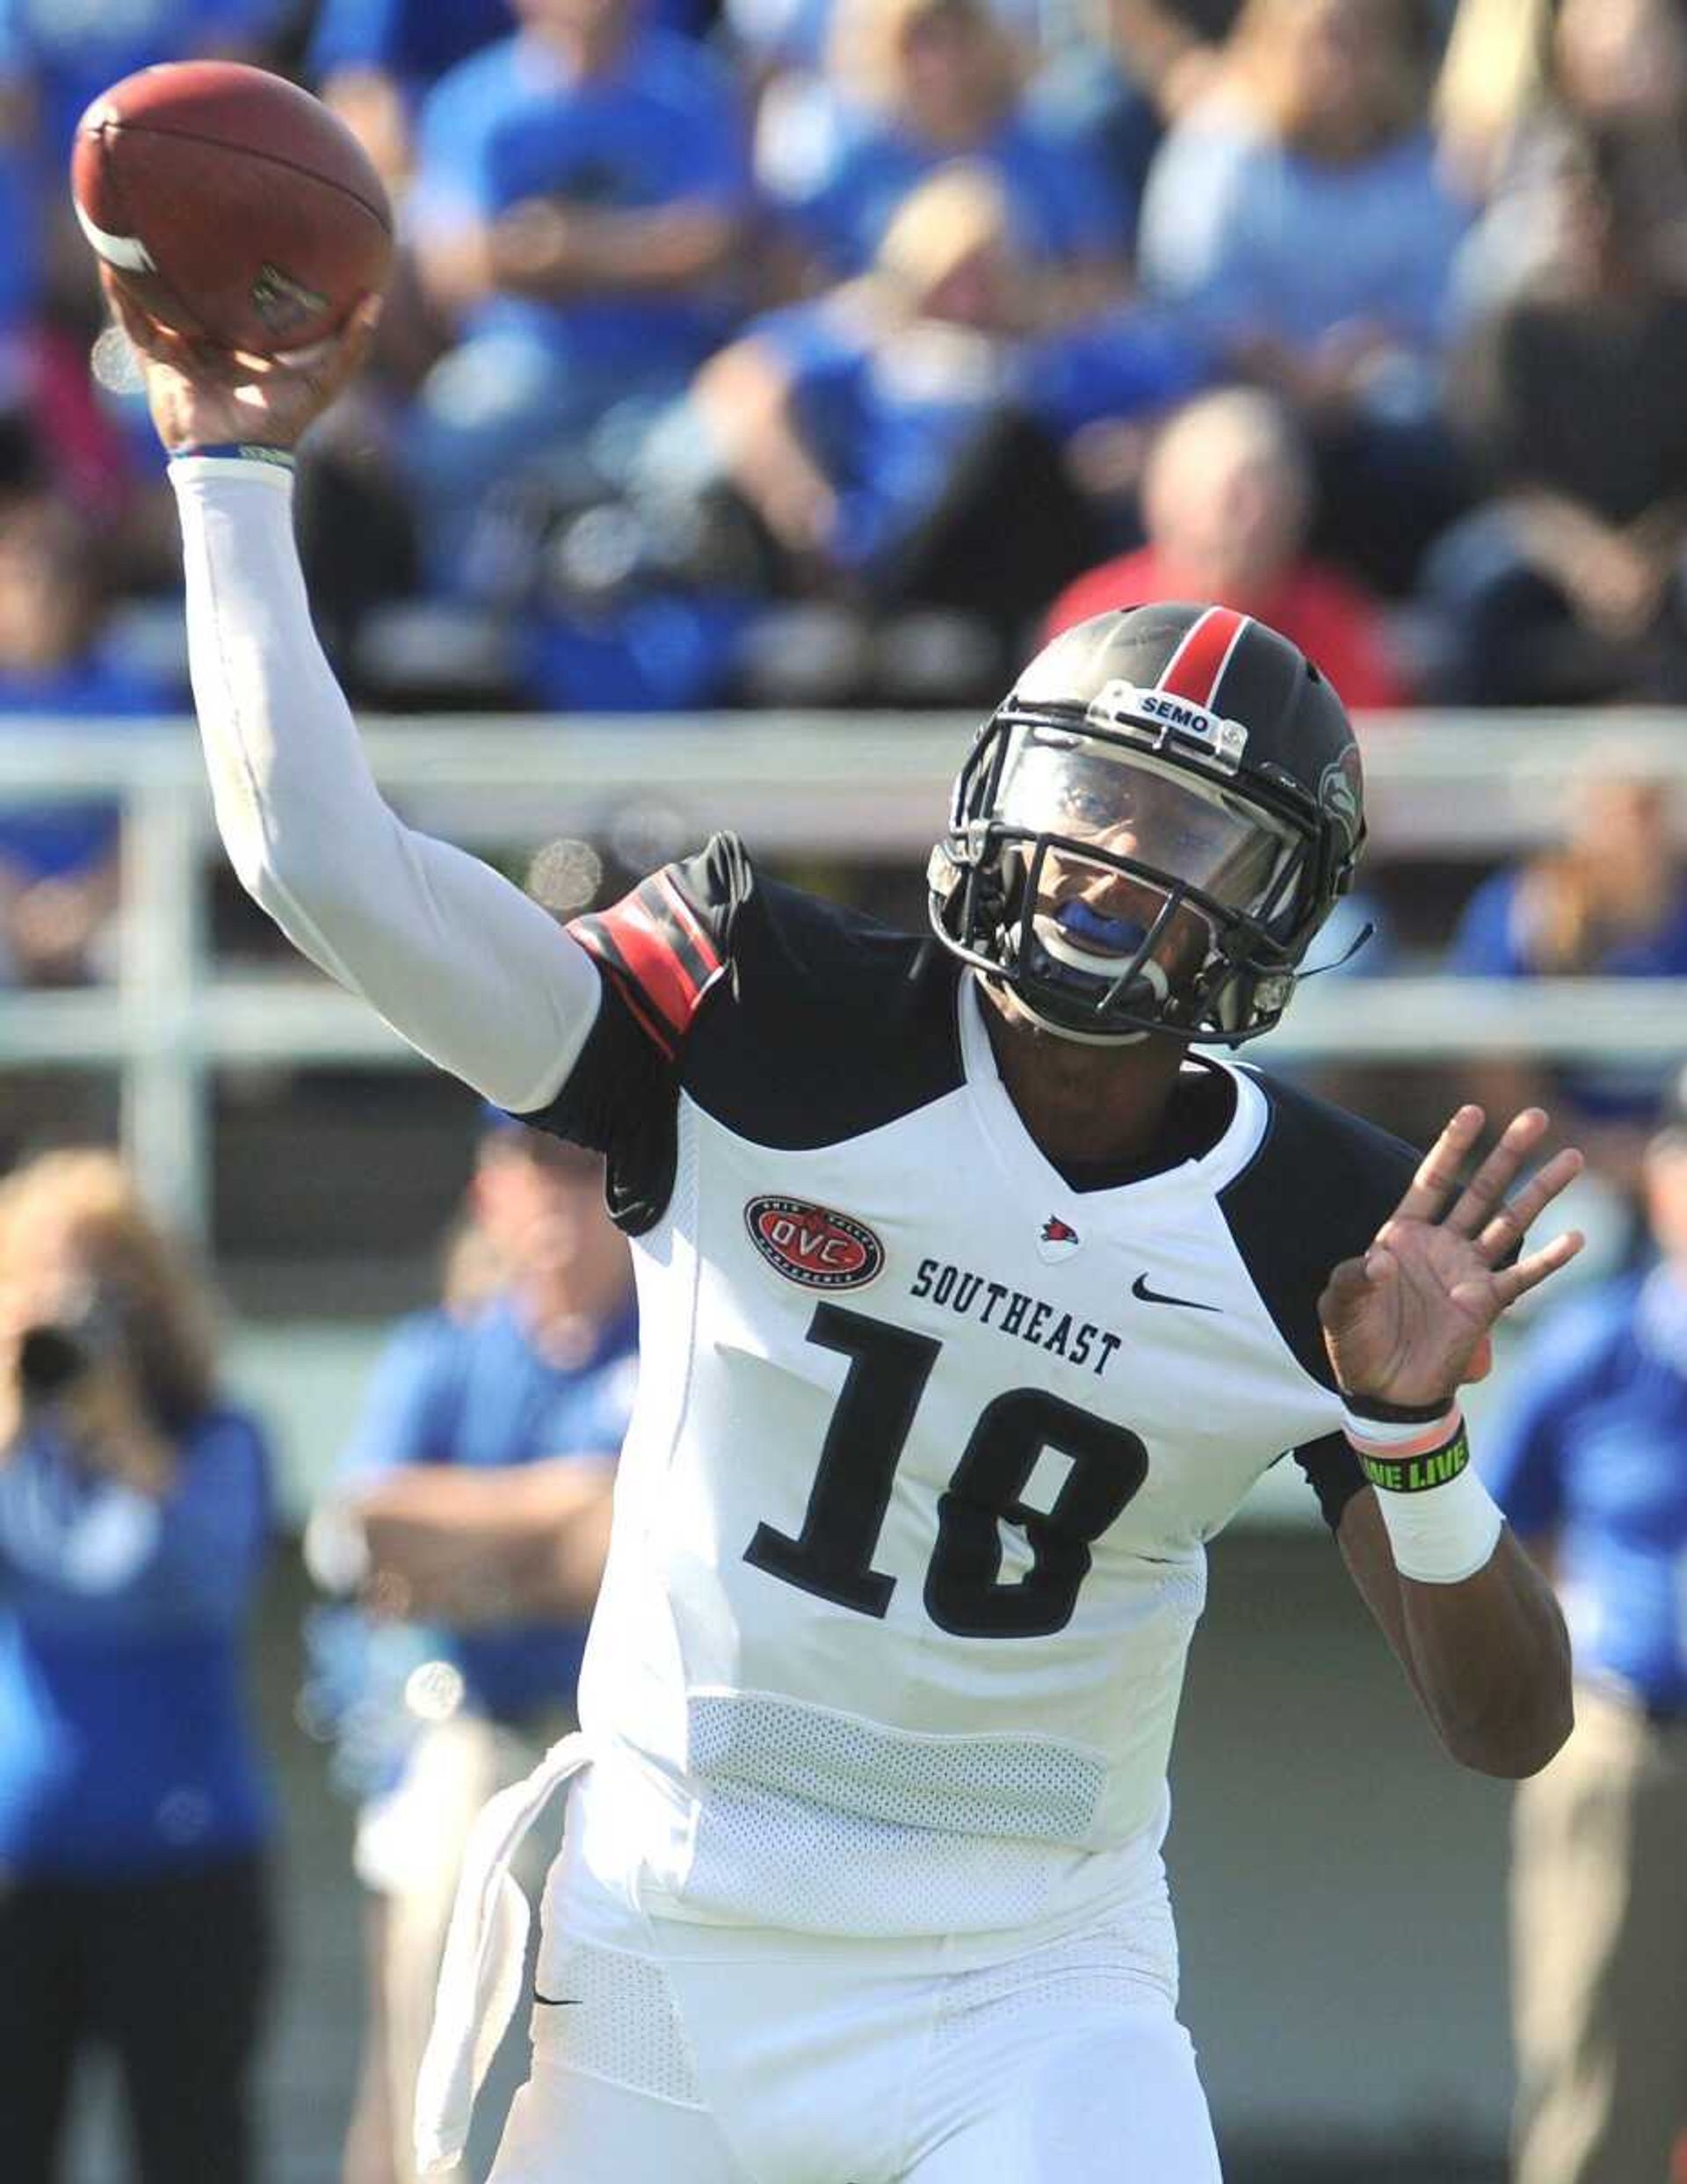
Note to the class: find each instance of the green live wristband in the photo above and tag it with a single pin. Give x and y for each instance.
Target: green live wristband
(1419, 1473)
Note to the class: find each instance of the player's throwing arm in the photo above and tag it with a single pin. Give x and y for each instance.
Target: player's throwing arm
(464, 966)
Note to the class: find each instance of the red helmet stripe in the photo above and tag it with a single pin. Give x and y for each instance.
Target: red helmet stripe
(1196, 669)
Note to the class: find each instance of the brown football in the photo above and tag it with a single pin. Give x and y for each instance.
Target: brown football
(230, 204)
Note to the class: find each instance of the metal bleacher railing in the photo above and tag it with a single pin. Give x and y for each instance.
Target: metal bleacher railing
(869, 787)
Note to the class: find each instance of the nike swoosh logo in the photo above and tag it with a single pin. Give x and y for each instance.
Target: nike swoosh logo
(1139, 1288)
(557, 2001)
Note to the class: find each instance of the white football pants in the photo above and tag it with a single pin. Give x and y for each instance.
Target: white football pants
(668, 2053)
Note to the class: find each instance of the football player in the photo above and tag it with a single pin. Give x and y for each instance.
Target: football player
(975, 1291)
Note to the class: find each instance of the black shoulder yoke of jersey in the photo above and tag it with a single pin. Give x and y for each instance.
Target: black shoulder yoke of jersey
(829, 1024)
(1319, 1186)
(793, 1022)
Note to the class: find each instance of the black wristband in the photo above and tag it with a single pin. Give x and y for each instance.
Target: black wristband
(1387, 1413)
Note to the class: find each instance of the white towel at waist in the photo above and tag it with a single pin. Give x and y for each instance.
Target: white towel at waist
(486, 1952)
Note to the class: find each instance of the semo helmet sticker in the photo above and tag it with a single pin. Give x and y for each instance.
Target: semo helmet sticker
(813, 1245)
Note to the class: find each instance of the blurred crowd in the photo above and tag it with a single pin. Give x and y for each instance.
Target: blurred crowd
(725, 331)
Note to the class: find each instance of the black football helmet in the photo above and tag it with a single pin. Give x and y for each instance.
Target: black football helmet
(1149, 831)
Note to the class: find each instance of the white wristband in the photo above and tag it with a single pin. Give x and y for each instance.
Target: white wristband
(1443, 1525)
(1446, 1535)
(1395, 1437)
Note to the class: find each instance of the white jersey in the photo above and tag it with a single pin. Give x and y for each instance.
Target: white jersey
(909, 1532)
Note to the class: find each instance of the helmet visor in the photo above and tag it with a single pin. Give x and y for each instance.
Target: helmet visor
(1095, 795)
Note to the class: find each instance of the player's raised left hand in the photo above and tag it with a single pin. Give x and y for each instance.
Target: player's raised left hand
(1409, 1321)
(201, 395)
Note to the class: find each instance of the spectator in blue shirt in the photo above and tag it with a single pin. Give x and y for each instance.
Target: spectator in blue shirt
(134, 1516)
(1297, 209)
(1297, 213)
(59, 877)
(917, 85)
(411, 43)
(580, 208)
(1607, 901)
(1589, 1464)
(479, 1480)
(877, 432)
(373, 62)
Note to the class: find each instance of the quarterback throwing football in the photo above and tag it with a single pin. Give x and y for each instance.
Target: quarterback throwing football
(975, 1297)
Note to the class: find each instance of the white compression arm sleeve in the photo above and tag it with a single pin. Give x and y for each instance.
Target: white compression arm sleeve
(457, 960)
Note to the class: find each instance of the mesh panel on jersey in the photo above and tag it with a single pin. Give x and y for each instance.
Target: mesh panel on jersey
(620, 2020)
(787, 1863)
(994, 1786)
(1116, 1968)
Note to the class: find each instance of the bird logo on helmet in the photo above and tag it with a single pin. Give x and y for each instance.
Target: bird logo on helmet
(1149, 831)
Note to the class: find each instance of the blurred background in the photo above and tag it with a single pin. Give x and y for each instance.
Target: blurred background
(760, 380)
